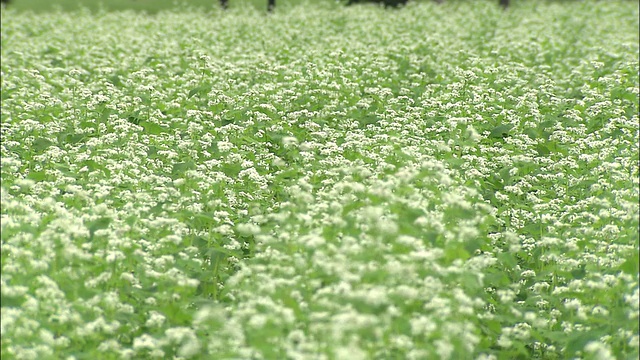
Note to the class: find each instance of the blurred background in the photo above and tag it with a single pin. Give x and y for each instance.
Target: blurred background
(153, 6)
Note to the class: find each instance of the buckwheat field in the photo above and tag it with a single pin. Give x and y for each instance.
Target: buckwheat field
(450, 181)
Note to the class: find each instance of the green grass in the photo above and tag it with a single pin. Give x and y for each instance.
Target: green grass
(447, 182)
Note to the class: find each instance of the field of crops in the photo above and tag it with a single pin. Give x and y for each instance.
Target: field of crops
(436, 182)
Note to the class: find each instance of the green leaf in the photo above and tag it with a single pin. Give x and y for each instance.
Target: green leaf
(57, 62)
(226, 121)
(91, 164)
(623, 94)
(86, 124)
(157, 208)
(37, 176)
(145, 98)
(152, 128)
(200, 90)
(6, 92)
(131, 220)
(579, 273)
(275, 137)
(115, 80)
(74, 138)
(149, 60)
(41, 144)
(497, 279)
(492, 327)
(213, 149)
(548, 123)
(456, 252)
(11, 301)
(134, 119)
(368, 119)
(104, 115)
(501, 131)
(472, 245)
(494, 183)
(231, 170)
(64, 168)
(531, 133)
(99, 224)
(180, 168)
(578, 340)
(543, 150)
(526, 168)
(554, 147)
(507, 259)
(218, 254)
(630, 266)
(505, 175)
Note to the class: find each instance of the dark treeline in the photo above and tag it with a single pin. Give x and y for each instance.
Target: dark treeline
(271, 4)
(387, 3)
(396, 3)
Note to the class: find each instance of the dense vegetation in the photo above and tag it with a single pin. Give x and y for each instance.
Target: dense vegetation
(322, 183)
(154, 6)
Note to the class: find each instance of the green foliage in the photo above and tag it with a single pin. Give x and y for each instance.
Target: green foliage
(447, 181)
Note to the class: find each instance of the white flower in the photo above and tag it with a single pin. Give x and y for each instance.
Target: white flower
(599, 350)
(248, 229)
